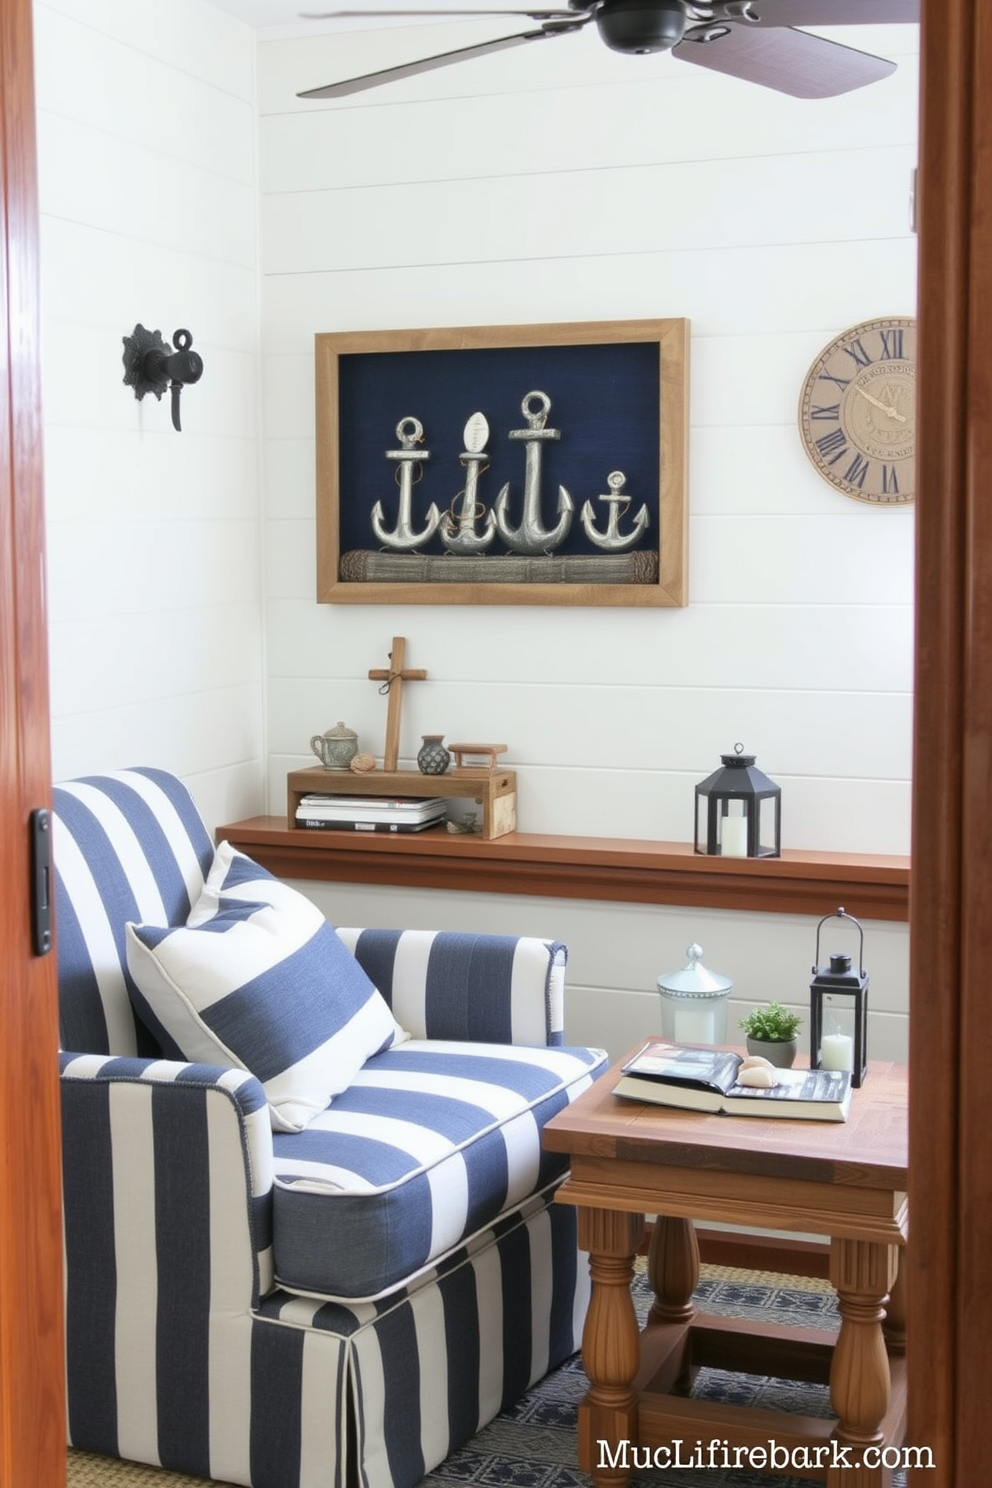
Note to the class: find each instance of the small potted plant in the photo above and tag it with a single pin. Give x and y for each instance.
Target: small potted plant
(772, 1032)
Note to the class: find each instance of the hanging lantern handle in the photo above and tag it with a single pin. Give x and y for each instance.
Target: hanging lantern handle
(841, 914)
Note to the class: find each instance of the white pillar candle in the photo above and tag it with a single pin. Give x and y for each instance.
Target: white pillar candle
(733, 837)
(837, 1051)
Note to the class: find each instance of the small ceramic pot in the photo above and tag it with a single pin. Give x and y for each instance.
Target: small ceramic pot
(781, 1053)
(337, 748)
(433, 758)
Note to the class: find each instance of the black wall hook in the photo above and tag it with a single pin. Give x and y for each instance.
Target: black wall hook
(151, 365)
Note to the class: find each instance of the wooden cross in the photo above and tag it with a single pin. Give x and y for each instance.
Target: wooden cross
(394, 676)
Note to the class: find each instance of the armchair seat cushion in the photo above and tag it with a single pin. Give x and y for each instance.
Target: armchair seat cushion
(431, 1141)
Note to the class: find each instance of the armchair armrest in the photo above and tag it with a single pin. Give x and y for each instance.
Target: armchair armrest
(458, 985)
(167, 1180)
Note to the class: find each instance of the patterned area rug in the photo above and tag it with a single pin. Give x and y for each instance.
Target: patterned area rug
(533, 1445)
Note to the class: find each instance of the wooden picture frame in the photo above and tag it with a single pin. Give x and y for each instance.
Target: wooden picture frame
(616, 403)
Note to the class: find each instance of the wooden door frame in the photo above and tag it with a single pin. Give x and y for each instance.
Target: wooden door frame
(32, 1395)
(950, 1281)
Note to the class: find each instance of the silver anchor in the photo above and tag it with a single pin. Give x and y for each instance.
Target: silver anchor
(531, 536)
(410, 432)
(619, 502)
(458, 533)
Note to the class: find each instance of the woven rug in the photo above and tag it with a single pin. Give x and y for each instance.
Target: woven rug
(533, 1445)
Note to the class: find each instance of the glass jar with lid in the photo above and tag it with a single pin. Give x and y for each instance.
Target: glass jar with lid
(694, 1002)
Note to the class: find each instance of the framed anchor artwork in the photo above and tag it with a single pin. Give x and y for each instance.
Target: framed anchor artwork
(539, 465)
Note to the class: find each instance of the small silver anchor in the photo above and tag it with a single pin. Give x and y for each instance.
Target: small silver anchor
(619, 503)
(531, 536)
(458, 530)
(410, 432)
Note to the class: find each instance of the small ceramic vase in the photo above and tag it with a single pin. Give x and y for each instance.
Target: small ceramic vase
(433, 758)
(781, 1053)
(337, 748)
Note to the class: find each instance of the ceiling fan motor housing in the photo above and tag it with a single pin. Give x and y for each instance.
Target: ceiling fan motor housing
(641, 25)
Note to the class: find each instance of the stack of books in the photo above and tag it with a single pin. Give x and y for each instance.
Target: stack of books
(371, 813)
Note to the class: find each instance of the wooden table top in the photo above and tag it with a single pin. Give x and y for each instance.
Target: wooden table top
(868, 1150)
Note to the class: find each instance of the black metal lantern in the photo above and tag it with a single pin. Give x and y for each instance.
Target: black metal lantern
(838, 1009)
(738, 810)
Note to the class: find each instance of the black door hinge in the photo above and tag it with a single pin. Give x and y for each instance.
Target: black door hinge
(41, 881)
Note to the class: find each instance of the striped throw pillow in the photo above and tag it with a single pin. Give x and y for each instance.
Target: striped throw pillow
(258, 979)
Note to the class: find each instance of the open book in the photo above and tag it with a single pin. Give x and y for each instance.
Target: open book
(707, 1080)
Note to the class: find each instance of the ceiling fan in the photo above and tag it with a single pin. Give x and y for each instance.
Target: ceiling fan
(755, 40)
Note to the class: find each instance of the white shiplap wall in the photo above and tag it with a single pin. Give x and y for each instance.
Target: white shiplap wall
(148, 195)
(547, 184)
(563, 182)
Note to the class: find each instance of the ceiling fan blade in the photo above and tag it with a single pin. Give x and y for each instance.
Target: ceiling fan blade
(789, 61)
(361, 15)
(836, 12)
(443, 59)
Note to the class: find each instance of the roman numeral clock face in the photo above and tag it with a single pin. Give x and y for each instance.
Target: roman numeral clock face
(857, 411)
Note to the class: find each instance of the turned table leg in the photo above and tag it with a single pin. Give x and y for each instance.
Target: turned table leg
(863, 1274)
(673, 1269)
(610, 1343)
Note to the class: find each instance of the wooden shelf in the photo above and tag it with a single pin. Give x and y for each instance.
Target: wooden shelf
(625, 870)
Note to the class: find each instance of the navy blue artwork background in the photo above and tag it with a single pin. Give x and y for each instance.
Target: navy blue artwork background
(604, 399)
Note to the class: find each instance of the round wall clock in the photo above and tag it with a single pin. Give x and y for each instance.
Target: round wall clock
(857, 411)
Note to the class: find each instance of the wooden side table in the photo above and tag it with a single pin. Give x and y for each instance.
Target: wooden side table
(846, 1180)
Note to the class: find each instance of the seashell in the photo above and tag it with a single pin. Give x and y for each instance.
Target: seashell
(363, 763)
(466, 823)
(756, 1061)
(757, 1078)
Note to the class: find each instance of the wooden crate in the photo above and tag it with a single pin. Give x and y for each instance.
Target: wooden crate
(497, 792)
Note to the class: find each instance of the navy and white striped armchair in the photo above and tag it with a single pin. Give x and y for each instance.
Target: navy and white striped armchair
(339, 1305)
